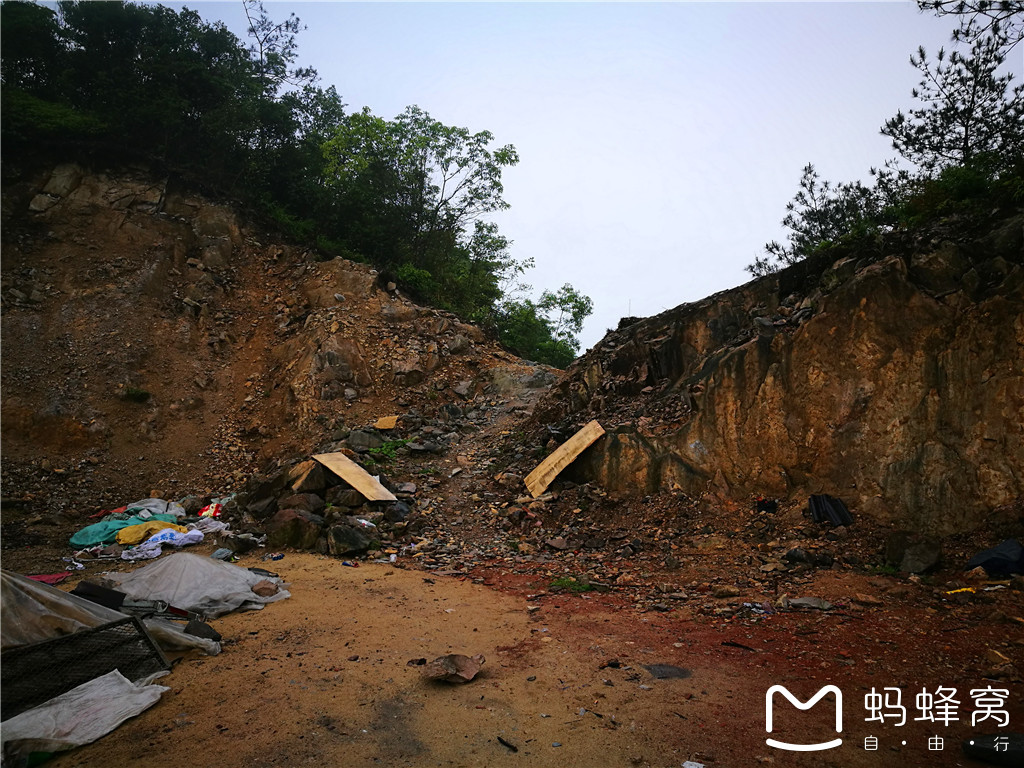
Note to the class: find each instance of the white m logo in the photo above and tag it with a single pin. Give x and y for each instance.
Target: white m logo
(800, 705)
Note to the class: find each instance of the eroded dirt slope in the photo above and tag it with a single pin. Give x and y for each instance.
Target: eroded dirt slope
(152, 341)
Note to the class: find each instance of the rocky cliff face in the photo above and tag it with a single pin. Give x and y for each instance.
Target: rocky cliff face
(892, 379)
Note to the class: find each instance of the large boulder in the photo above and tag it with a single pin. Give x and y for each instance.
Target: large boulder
(307, 477)
(351, 536)
(293, 528)
(306, 502)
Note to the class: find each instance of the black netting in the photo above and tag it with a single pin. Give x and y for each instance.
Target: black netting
(33, 674)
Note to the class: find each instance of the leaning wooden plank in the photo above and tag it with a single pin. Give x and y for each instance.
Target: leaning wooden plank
(356, 476)
(538, 480)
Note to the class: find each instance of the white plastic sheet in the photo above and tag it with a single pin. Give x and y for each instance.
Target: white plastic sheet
(80, 716)
(31, 612)
(157, 507)
(195, 583)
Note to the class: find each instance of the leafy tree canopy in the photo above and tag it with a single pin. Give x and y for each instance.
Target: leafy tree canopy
(963, 139)
(117, 82)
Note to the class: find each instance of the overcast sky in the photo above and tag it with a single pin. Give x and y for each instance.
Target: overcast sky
(659, 142)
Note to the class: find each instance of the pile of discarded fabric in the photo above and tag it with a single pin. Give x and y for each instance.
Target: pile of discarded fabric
(140, 530)
(74, 666)
(72, 671)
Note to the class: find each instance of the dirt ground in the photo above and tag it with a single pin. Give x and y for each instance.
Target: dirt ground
(323, 678)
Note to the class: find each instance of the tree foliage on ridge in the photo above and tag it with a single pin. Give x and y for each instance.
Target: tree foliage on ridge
(115, 82)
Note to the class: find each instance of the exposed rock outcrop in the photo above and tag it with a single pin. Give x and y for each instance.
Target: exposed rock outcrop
(894, 379)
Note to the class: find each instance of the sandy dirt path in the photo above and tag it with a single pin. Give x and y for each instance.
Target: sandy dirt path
(322, 679)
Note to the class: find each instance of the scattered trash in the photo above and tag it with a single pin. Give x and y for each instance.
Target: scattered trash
(691, 764)
(825, 508)
(667, 671)
(211, 510)
(50, 578)
(508, 744)
(274, 556)
(105, 531)
(154, 507)
(1002, 560)
(350, 563)
(73, 564)
(53, 641)
(136, 534)
(540, 478)
(454, 668)
(208, 525)
(80, 716)
(263, 573)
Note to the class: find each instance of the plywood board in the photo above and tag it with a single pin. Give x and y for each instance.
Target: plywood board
(356, 476)
(538, 480)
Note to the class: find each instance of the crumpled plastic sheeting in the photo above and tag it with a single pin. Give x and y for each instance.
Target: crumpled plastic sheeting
(208, 525)
(144, 551)
(173, 637)
(31, 612)
(175, 537)
(156, 507)
(194, 583)
(80, 716)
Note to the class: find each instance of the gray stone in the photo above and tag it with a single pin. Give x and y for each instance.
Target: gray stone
(408, 371)
(921, 556)
(362, 442)
(42, 203)
(345, 497)
(64, 180)
(459, 344)
(262, 509)
(397, 512)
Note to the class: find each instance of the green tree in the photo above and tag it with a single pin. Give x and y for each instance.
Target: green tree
(275, 50)
(32, 46)
(819, 213)
(967, 111)
(411, 193)
(545, 330)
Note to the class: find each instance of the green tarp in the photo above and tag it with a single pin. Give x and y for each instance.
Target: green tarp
(105, 531)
